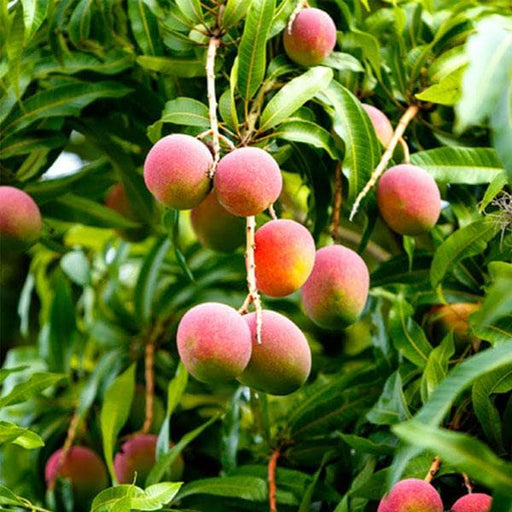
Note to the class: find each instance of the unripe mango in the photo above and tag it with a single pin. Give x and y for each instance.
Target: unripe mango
(138, 455)
(284, 257)
(310, 38)
(247, 181)
(336, 290)
(118, 201)
(475, 502)
(214, 342)
(20, 220)
(176, 171)
(411, 495)
(381, 124)
(85, 470)
(281, 363)
(215, 227)
(409, 200)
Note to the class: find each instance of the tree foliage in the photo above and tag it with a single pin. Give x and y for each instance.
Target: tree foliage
(88, 317)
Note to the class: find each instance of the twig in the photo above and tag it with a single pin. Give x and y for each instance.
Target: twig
(467, 483)
(272, 464)
(272, 212)
(250, 266)
(405, 149)
(149, 375)
(213, 45)
(336, 210)
(68, 443)
(409, 114)
(434, 468)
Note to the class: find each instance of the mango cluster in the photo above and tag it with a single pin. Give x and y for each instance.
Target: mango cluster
(414, 495)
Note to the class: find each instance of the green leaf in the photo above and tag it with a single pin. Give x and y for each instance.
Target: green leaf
(392, 406)
(342, 61)
(501, 124)
(192, 10)
(80, 23)
(469, 166)
(310, 133)
(234, 12)
(252, 56)
(353, 126)
(7, 497)
(114, 413)
(165, 462)
(34, 13)
(293, 95)
(155, 496)
(242, 487)
(436, 368)
(362, 444)
(463, 243)
(76, 266)
(24, 391)
(148, 279)
(144, 25)
(64, 100)
(11, 433)
(183, 68)
(181, 111)
(116, 498)
(462, 451)
(447, 92)
(408, 337)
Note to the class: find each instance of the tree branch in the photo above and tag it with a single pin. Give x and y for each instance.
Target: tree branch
(213, 45)
(271, 476)
(434, 468)
(149, 375)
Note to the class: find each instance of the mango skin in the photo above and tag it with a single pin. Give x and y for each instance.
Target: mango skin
(475, 502)
(215, 227)
(176, 171)
(118, 201)
(84, 468)
(411, 495)
(336, 290)
(284, 257)
(445, 318)
(247, 181)
(20, 220)
(381, 124)
(214, 342)
(138, 455)
(408, 199)
(282, 362)
(311, 37)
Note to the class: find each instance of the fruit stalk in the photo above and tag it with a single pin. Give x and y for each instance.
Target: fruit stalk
(70, 437)
(271, 476)
(408, 116)
(149, 375)
(434, 468)
(213, 45)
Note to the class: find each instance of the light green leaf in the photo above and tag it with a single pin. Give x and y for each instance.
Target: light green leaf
(470, 166)
(501, 125)
(463, 243)
(119, 496)
(462, 451)
(342, 61)
(293, 95)
(447, 92)
(436, 368)
(11, 433)
(234, 12)
(252, 56)
(24, 391)
(114, 413)
(184, 68)
(155, 496)
(353, 126)
(192, 10)
(7, 497)
(242, 487)
(34, 13)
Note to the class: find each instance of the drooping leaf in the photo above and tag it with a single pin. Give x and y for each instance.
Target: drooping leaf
(391, 407)
(144, 25)
(37, 383)
(34, 14)
(24, 437)
(243, 487)
(80, 23)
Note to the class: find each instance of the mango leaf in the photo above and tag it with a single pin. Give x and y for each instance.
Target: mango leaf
(501, 124)
(408, 337)
(463, 243)
(252, 50)
(64, 100)
(183, 68)
(362, 444)
(191, 10)
(165, 462)
(342, 61)
(155, 496)
(243, 487)
(392, 406)
(462, 451)
(77, 267)
(293, 95)
(447, 92)
(144, 25)
(16, 145)
(24, 391)
(34, 13)
(182, 111)
(353, 126)
(115, 498)
(114, 413)
(148, 279)
(281, 17)
(234, 12)
(499, 331)
(80, 23)
(12, 433)
(436, 368)
(310, 133)
(7, 497)
(470, 166)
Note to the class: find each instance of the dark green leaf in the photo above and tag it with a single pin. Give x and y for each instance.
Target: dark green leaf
(145, 27)
(184, 68)
(391, 407)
